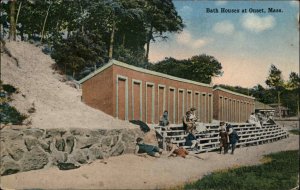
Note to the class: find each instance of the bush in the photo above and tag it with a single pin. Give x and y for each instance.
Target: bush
(281, 173)
(9, 88)
(9, 114)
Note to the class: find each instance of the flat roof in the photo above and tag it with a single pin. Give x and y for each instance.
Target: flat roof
(231, 92)
(134, 68)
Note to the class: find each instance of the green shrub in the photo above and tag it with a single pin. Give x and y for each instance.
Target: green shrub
(281, 173)
(9, 114)
(9, 88)
(295, 131)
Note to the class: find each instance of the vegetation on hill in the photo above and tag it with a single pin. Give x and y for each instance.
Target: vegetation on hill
(8, 113)
(279, 172)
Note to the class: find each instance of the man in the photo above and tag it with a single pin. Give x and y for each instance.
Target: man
(188, 125)
(233, 137)
(141, 149)
(192, 141)
(174, 150)
(252, 119)
(223, 138)
(193, 115)
(164, 120)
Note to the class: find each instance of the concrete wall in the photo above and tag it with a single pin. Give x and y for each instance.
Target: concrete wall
(32, 148)
(98, 91)
(232, 107)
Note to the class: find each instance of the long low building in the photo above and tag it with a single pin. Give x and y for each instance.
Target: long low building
(132, 93)
(231, 106)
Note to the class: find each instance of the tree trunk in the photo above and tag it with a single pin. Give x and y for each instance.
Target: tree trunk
(148, 44)
(111, 44)
(123, 40)
(12, 29)
(18, 13)
(44, 24)
(279, 108)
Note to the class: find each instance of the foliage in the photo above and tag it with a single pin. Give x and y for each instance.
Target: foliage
(126, 26)
(9, 88)
(280, 173)
(295, 131)
(79, 51)
(274, 80)
(9, 114)
(199, 68)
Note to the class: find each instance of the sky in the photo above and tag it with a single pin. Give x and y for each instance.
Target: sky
(246, 44)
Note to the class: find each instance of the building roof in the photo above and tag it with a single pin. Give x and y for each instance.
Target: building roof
(121, 64)
(262, 106)
(231, 92)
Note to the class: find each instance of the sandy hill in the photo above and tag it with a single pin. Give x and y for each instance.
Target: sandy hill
(57, 104)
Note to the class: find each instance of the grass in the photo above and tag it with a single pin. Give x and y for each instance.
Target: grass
(295, 131)
(279, 171)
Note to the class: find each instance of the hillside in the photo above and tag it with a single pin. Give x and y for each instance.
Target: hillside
(57, 104)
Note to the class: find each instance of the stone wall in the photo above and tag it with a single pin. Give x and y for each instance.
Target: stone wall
(32, 148)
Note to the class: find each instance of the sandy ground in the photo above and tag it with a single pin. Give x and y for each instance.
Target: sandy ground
(134, 172)
(57, 104)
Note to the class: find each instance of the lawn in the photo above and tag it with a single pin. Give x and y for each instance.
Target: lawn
(295, 131)
(280, 171)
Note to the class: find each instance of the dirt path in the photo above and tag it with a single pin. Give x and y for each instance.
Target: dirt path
(133, 172)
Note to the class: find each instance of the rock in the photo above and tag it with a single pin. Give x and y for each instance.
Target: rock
(8, 166)
(9, 134)
(31, 142)
(78, 156)
(85, 142)
(59, 157)
(37, 133)
(118, 149)
(55, 133)
(128, 136)
(70, 140)
(34, 159)
(107, 141)
(16, 149)
(60, 144)
(95, 153)
(46, 146)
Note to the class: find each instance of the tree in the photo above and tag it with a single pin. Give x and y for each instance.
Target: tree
(79, 51)
(160, 17)
(293, 86)
(199, 68)
(12, 28)
(275, 81)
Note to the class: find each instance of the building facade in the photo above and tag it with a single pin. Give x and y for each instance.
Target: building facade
(231, 106)
(132, 93)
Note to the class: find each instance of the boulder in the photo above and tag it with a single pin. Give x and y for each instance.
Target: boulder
(95, 153)
(9, 134)
(70, 141)
(8, 166)
(34, 159)
(59, 157)
(118, 149)
(31, 142)
(55, 132)
(60, 144)
(107, 141)
(85, 142)
(37, 133)
(16, 149)
(78, 156)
